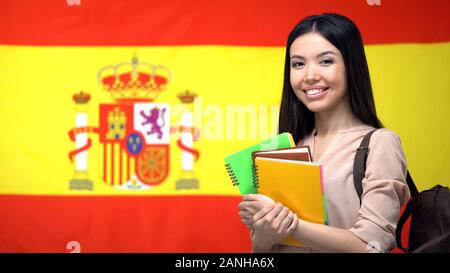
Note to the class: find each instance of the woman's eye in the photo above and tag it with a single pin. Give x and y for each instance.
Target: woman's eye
(326, 61)
(297, 64)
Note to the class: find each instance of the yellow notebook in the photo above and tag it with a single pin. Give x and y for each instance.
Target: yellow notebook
(296, 184)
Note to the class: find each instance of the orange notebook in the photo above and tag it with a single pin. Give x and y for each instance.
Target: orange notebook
(296, 184)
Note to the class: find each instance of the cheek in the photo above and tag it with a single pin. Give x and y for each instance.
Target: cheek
(295, 78)
(292, 79)
(336, 78)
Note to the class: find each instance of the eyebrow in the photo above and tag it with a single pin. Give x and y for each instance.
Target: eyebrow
(318, 56)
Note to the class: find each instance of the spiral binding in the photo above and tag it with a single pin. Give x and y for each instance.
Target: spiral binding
(255, 176)
(232, 175)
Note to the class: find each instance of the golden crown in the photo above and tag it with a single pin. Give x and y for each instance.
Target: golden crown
(134, 81)
(81, 98)
(187, 96)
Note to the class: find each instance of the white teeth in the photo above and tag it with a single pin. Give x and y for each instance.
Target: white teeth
(314, 91)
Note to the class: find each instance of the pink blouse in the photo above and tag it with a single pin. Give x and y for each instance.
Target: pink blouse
(384, 186)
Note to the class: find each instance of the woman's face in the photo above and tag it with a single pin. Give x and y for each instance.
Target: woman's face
(317, 73)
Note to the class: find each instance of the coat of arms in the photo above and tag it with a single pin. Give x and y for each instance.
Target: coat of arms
(134, 131)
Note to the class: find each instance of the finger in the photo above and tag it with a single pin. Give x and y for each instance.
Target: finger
(259, 197)
(247, 222)
(248, 203)
(276, 210)
(251, 201)
(266, 199)
(270, 216)
(242, 205)
(293, 225)
(250, 206)
(281, 216)
(261, 213)
(250, 197)
(254, 206)
(245, 215)
(287, 221)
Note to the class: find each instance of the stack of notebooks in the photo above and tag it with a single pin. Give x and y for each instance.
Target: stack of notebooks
(285, 173)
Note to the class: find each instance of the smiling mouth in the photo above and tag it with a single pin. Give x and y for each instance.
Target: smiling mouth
(316, 91)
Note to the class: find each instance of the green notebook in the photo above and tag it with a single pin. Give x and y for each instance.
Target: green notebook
(240, 164)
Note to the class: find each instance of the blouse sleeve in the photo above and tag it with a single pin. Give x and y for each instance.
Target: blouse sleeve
(384, 191)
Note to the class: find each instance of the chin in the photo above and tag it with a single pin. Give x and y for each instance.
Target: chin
(316, 107)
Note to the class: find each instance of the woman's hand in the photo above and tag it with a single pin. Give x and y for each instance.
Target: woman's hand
(272, 224)
(251, 204)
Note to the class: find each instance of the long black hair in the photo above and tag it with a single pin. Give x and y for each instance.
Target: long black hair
(345, 36)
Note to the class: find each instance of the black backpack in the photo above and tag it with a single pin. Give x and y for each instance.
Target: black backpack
(429, 210)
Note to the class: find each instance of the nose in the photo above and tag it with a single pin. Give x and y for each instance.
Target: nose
(311, 74)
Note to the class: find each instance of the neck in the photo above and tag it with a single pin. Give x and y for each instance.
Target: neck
(331, 121)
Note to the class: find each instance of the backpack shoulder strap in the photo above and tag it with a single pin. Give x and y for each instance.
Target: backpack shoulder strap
(359, 168)
(412, 187)
(359, 163)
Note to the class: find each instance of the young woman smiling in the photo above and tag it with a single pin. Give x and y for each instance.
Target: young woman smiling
(327, 103)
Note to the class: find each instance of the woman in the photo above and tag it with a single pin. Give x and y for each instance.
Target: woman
(327, 103)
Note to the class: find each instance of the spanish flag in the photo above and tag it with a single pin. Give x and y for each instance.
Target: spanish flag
(116, 115)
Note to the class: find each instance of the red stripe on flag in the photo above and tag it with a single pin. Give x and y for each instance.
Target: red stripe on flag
(232, 22)
(122, 224)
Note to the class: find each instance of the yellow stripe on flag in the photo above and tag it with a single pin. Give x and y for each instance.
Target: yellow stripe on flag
(36, 109)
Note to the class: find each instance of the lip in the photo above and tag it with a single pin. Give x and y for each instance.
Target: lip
(316, 96)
